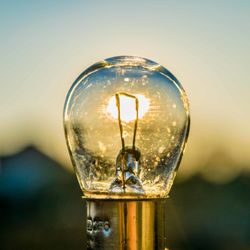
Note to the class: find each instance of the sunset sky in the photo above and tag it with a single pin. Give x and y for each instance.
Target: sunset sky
(45, 46)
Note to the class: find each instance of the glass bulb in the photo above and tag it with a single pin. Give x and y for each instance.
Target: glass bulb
(126, 122)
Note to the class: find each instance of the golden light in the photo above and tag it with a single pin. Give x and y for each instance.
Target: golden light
(128, 108)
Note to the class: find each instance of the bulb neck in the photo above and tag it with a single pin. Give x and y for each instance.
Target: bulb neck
(133, 224)
(127, 172)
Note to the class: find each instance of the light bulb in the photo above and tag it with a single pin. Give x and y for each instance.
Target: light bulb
(126, 122)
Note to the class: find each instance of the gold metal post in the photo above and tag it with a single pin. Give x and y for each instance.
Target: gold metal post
(126, 225)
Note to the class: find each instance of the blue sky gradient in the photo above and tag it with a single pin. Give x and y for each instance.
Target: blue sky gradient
(45, 45)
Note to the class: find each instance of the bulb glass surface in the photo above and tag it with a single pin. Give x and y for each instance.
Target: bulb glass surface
(126, 122)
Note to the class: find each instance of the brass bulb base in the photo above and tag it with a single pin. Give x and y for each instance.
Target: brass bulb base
(122, 225)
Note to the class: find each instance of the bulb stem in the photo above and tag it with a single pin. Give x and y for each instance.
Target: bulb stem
(119, 119)
(136, 120)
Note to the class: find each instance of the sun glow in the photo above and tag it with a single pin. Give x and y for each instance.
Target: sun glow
(128, 107)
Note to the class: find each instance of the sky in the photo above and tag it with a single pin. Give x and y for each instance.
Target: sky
(45, 45)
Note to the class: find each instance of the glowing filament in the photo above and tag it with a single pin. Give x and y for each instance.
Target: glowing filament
(127, 107)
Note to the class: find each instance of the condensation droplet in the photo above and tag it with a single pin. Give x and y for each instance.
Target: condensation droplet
(102, 147)
(161, 149)
(125, 134)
